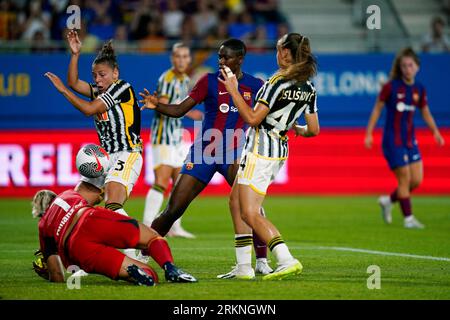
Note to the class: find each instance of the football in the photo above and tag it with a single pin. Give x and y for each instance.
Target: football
(92, 161)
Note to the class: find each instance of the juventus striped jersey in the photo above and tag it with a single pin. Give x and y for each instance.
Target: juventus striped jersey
(119, 127)
(287, 100)
(167, 130)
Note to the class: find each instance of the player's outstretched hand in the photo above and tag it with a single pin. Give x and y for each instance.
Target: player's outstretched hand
(230, 81)
(74, 42)
(299, 130)
(149, 101)
(439, 139)
(368, 141)
(56, 81)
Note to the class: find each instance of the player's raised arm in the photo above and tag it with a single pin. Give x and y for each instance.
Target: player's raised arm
(171, 110)
(88, 108)
(80, 86)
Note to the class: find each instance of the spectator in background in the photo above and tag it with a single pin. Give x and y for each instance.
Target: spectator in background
(121, 42)
(205, 19)
(39, 44)
(258, 41)
(35, 20)
(242, 27)
(265, 11)
(103, 26)
(142, 15)
(189, 32)
(172, 20)
(153, 41)
(8, 21)
(436, 41)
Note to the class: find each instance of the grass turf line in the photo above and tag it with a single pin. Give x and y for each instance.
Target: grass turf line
(306, 223)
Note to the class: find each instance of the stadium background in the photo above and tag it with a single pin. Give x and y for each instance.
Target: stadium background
(41, 132)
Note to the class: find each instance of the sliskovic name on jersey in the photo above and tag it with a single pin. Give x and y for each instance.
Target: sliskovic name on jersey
(297, 95)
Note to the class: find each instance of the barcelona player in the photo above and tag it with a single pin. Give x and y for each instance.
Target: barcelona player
(280, 102)
(217, 148)
(402, 95)
(73, 232)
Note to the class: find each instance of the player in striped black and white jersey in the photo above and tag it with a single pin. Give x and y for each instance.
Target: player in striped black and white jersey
(216, 155)
(279, 103)
(168, 150)
(117, 119)
(287, 101)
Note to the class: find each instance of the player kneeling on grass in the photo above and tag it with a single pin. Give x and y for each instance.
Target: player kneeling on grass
(73, 232)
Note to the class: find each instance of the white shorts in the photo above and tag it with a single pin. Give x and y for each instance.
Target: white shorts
(125, 168)
(169, 155)
(258, 172)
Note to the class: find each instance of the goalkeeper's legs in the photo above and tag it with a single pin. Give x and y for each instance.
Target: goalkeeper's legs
(157, 247)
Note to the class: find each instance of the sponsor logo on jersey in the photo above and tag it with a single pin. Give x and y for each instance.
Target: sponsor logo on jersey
(402, 107)
(224, 108)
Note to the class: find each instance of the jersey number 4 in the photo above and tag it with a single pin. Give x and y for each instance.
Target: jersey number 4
(279, 119)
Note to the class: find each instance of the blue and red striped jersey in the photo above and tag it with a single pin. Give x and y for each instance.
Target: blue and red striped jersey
(401, 101)
(220, 113)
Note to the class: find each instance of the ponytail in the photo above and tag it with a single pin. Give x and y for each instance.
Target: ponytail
(107, 55)
(304, 64)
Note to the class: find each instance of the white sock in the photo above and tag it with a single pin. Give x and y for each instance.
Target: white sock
(122, 212)
(243, 247)
(130, 253)
(282, 254)
(153, 202)
(176, 226)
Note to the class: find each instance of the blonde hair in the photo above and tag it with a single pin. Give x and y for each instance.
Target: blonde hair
(41, 201)
(304, 65)
(396, 71)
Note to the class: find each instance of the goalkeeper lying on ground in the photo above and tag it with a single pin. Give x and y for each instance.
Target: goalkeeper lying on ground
(73, 232)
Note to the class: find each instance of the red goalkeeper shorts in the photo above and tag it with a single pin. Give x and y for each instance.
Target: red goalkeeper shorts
(93, 241)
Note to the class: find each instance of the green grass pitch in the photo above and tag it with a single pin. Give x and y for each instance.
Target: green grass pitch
(322, 232)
